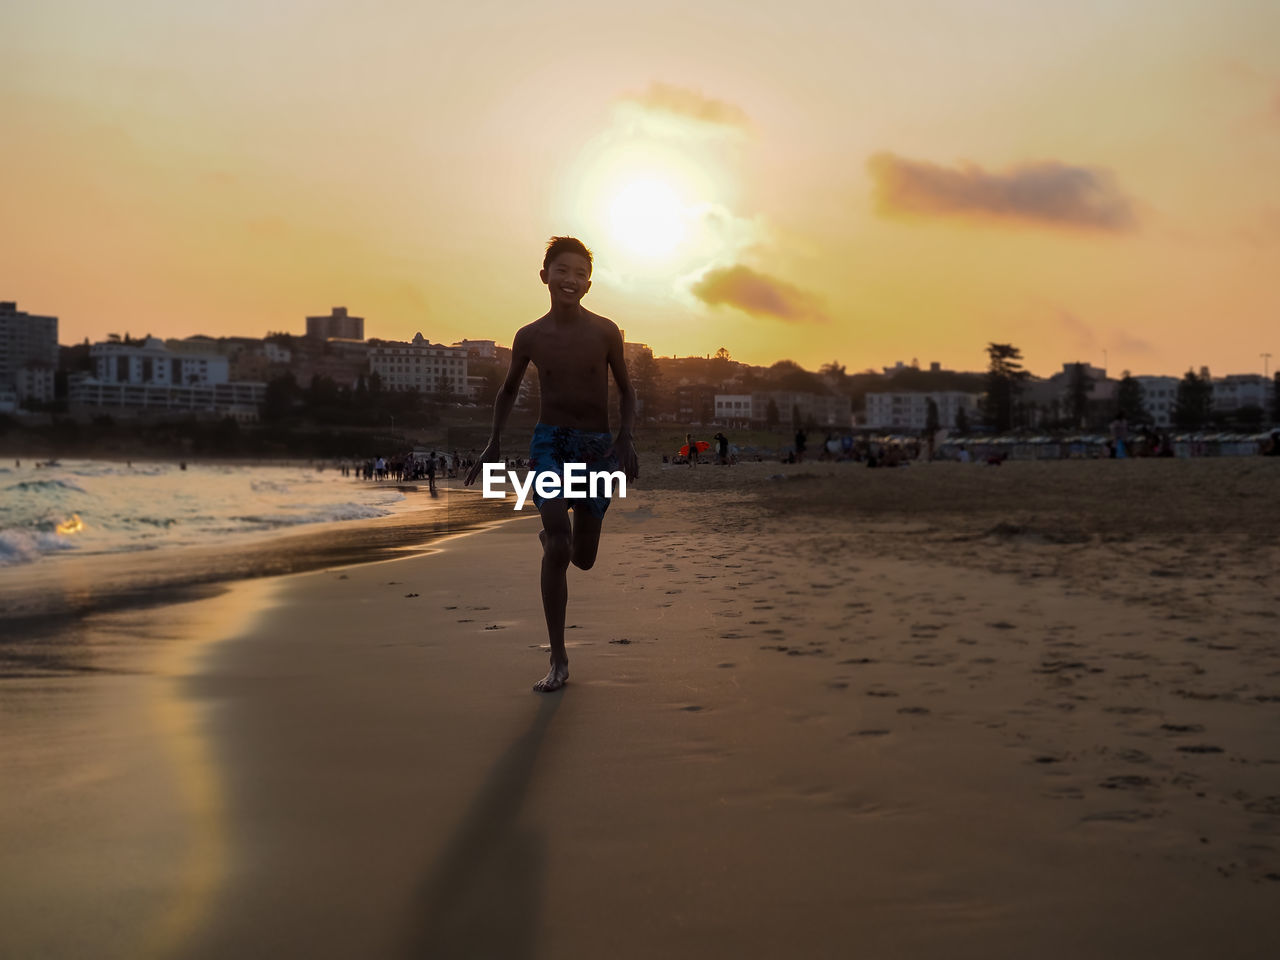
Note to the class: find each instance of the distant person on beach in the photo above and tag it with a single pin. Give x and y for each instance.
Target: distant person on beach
(801, 440)
(722, 448)
(573, 351)
(693, 449)
(1120, 436)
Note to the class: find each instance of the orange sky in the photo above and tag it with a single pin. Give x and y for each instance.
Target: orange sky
(884, 182)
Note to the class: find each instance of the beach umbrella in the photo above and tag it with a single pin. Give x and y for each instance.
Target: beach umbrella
(699, 445)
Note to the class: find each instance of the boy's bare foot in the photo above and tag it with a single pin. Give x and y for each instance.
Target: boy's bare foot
(556, 678)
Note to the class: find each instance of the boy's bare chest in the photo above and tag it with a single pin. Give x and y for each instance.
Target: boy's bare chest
(581, 355)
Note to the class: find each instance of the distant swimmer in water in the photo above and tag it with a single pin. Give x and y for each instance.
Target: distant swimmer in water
(574, 352)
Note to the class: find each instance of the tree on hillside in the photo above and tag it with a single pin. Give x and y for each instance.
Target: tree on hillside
(1004, 381)
(1249, 418)
(789, 375)
(835, 374)
(1130, 399)
(962, 421)
(721, 365)
(931, 417)
(282, 395)
(1194, 403)
(1079, 386)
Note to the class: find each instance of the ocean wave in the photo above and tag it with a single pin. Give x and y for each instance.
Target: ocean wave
(325, 514)
(46, 485)
(26, 546)
(274, 486)
(165, 522)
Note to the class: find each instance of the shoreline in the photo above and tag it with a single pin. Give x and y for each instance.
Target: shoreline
(37, 599)
(789, 728)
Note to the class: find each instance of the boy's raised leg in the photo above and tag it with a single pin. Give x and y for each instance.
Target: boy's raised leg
(586, 539)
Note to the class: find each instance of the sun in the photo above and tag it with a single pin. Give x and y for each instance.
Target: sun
(648, 218)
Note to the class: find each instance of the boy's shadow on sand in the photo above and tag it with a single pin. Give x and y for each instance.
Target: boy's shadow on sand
(483, 898)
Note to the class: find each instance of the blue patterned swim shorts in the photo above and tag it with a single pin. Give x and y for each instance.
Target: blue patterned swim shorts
(552, 447)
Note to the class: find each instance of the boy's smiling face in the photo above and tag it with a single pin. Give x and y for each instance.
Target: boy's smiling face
(569, 278)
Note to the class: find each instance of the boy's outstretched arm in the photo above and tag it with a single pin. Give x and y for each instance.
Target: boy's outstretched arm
(624, 447)
(502, 405)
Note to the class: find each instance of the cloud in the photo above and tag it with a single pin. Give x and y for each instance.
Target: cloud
(1126, 345)
(1082, 335)
(1048, 193)
(741, 287)
(690, 105)
(1086, 340)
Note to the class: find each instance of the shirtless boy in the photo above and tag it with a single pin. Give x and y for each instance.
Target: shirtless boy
(573, 351)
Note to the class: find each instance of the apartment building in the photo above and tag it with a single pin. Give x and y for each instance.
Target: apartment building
(421, 365)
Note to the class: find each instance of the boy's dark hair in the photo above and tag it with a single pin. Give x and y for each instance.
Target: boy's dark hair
(559, 245)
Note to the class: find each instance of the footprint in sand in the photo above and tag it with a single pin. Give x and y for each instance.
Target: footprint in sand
(1125, 782)
(1119, 816)
(1269, 806)
(1183, 727)
(1065, 793)
(1133, 756)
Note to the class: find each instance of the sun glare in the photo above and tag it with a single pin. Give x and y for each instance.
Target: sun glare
(647, 203)
(647, 218)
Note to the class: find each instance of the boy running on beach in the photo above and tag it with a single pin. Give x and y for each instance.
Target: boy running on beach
(573, 351)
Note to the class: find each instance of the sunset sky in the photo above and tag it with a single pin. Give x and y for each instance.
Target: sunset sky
(860, 181)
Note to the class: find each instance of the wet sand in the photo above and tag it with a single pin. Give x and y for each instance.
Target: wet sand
(942, 710)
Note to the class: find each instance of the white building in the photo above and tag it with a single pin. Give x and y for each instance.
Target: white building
(1241, 390)
(154, 364)
(1159, 399)
(480, 349)
(826, 410)
(909, 412)
(421, 365)
(240, 399)
(735, 409)
(35, 383)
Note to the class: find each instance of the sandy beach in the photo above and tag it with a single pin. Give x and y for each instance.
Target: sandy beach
(814, 710)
